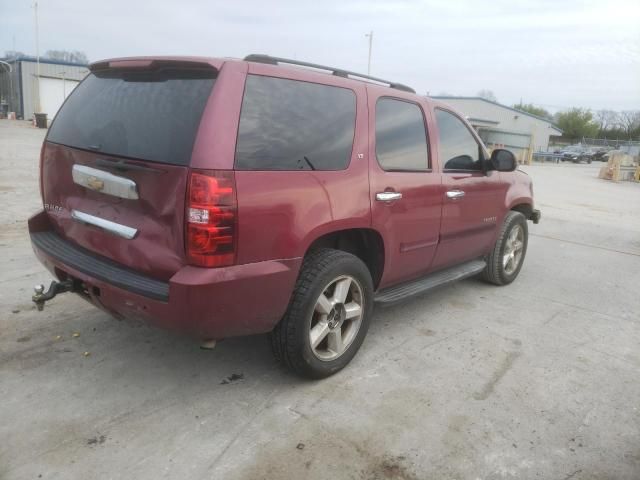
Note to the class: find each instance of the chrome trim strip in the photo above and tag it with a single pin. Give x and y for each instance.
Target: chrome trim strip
(104, 182)
(111, 227)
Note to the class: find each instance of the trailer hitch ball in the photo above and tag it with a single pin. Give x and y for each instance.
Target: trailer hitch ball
(39, 296)
(39, 290)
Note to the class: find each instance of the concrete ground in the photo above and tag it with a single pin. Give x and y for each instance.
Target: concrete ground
(539, 379)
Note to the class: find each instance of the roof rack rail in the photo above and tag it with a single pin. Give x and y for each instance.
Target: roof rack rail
(258, 58)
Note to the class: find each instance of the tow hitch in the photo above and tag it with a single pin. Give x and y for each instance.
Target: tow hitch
(55, 288)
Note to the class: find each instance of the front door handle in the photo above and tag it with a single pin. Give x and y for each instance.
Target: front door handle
(388, 196)
(453, 194)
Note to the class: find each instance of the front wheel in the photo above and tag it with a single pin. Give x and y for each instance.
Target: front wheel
(505, 260)
(328, 315)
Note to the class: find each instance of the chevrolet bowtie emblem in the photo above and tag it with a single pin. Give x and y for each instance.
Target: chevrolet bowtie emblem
(94, 184)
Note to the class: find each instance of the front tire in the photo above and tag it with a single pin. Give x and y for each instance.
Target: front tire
(505, 260)
(328, 315)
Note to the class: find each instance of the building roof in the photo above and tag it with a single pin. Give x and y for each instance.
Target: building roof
(49, 61)
(537, 117)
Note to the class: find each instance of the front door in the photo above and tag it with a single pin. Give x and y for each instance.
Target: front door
(406, 195)
(472, 198)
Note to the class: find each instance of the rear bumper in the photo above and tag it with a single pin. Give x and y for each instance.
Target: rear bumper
(211, 303)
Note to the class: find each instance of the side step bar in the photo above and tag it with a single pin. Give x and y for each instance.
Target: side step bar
(397, 293)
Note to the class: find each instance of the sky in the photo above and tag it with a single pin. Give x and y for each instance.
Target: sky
(553, 53)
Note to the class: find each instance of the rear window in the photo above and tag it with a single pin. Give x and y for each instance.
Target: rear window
(151, 115)
(294, 125)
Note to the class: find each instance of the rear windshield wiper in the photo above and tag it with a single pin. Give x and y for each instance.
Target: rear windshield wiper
(123, 167)
(309, 163)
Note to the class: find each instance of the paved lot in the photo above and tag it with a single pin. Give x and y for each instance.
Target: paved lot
(536, 380)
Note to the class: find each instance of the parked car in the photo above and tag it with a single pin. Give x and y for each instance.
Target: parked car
(601, 154)
(227, 197)
(576, 154)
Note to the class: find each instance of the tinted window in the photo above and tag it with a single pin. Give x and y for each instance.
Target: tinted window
(401, 139)
(458, 148)
(292, 125)
(146, 115)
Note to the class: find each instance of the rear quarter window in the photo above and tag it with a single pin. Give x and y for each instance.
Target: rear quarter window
(151, 115)
(293, 125)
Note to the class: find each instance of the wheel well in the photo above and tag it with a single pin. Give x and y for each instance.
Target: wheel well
(364, 243)
(524, 208)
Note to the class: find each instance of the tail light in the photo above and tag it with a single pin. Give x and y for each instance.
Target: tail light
(42, 172)
(211, 218)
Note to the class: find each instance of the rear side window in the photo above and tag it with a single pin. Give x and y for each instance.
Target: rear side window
(151, 115)
(292, 125)
(401, 139)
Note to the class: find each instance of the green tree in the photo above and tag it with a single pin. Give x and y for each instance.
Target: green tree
(629, 121)
(577, 123)
(532, 109)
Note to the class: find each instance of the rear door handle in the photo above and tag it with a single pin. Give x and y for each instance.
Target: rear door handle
(453, 194)
(388, 196)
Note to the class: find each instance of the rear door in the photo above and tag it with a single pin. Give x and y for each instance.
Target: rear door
(473, 198)
(116, 160)
(406, 193)
(300, 167)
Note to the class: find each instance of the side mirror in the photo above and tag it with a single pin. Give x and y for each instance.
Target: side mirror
(503, 160)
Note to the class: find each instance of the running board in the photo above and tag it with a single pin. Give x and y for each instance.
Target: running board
(397, 293)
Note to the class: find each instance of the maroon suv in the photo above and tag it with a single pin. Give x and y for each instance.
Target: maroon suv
(227, 197)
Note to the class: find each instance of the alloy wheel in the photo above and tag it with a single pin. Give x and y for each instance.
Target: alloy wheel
(336, 318)
(513, 248)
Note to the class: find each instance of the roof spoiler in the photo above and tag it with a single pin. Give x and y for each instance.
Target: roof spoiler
(148, 64)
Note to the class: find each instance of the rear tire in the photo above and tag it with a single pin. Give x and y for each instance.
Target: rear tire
(328, 314)
(506, 259)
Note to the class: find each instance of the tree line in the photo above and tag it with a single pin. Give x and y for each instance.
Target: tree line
(73, 56)
(577, 123)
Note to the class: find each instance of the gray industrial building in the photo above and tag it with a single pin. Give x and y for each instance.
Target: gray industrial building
(20, 87)
(501, 126)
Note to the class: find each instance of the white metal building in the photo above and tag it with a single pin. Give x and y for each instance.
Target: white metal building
(19, 88)
(506, 127)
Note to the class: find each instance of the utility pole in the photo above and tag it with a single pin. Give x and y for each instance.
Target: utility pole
(37, 103)
(370, 35)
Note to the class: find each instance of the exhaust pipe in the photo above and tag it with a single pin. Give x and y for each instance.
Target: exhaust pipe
(39, 297)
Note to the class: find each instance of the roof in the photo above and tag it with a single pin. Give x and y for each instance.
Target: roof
(311, 74)
(537, 117)
(259, 58)
(44, 60)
